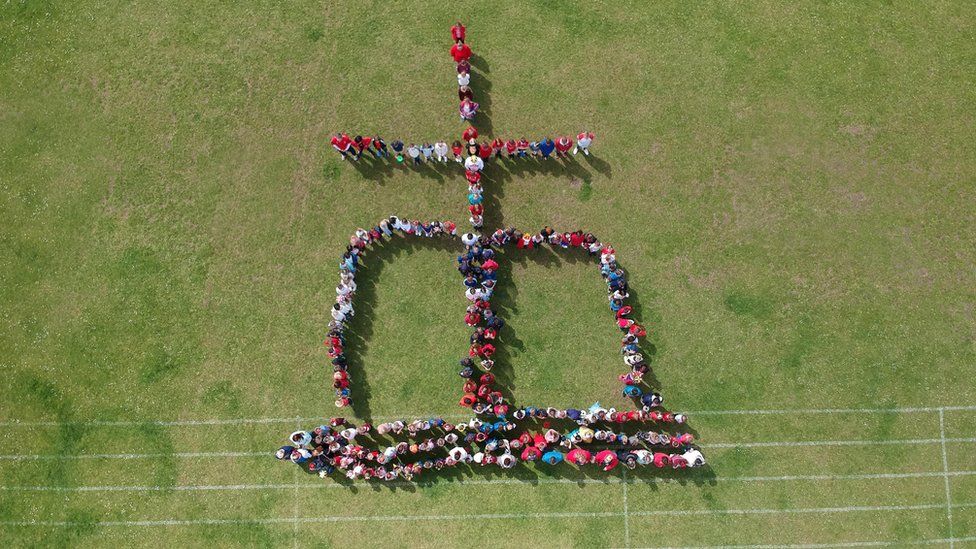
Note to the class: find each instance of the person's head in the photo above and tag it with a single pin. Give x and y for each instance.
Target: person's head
(359, 139)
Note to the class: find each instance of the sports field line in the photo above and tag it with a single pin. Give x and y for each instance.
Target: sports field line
(476, 482)
(769, 444)
(939, 541)
(489, 516)
(242, 421)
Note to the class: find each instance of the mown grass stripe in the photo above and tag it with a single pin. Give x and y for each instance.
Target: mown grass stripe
(478, 482)
(493, 516)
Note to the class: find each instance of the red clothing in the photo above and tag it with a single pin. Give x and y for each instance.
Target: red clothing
(497, 144)
(582, 135)
(660, 459)
(364, 144)
(578, 456)
(576, 240)
(469, 134)
(563, 144)
(484, 151)
(487, 378)
(476, 209)
(489, 265)
(456, 149)
(473, 177)
(487, 350)
(510, 146)
(608, 459)
(523, 144)
(531, 453)
(457, 32)
(337, 142)
(345, 142)
(460, 52)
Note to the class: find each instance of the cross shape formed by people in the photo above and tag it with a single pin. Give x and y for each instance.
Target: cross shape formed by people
(498, 433)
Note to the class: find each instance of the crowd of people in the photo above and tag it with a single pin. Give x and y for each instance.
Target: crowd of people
(399, 449)
(355, 148)
(342, 310)
(498, 434)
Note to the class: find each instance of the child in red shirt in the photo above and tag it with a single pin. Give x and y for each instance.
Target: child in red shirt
(460, 52)
(497, 145)
(469, 134)
(484, 151)
(457, 150)
(523, 147)
(511, 146)
(563, 144)
(458, 32)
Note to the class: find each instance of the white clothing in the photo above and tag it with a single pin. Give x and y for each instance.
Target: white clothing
(694, 457)
(474, 163)
(464, 79)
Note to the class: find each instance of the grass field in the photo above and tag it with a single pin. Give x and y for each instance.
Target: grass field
(790, 187)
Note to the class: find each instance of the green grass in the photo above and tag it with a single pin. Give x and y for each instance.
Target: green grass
(789, 186)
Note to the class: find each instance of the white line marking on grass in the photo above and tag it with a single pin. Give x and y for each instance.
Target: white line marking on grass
(825, 545)
(626, 514)
(33, 457)
(769, 444)
(295, 509)
(797, 443)
(241, 421)
(487, 516)
(474, 482)
(945, 469)
(830, 411)
(195, 422)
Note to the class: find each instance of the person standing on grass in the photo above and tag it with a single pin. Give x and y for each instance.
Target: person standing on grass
(360, 144)
(464, 67)
(563, 144)
(440, 149)
(546, 146)
(474, 164)
(460, 51)
(457, 149)
(414, 152)
(457, 32)
(397, 147)
(484, 150)
(468, 109)
(511, 147)
(468, 134)
(583, 141)
(523, 148)
(427, 149)
(380, 147)
(343, 144)
(464, 92)
(496, 146)
(464, 78)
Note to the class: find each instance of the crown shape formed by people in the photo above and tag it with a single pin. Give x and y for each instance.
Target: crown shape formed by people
(497, 433)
